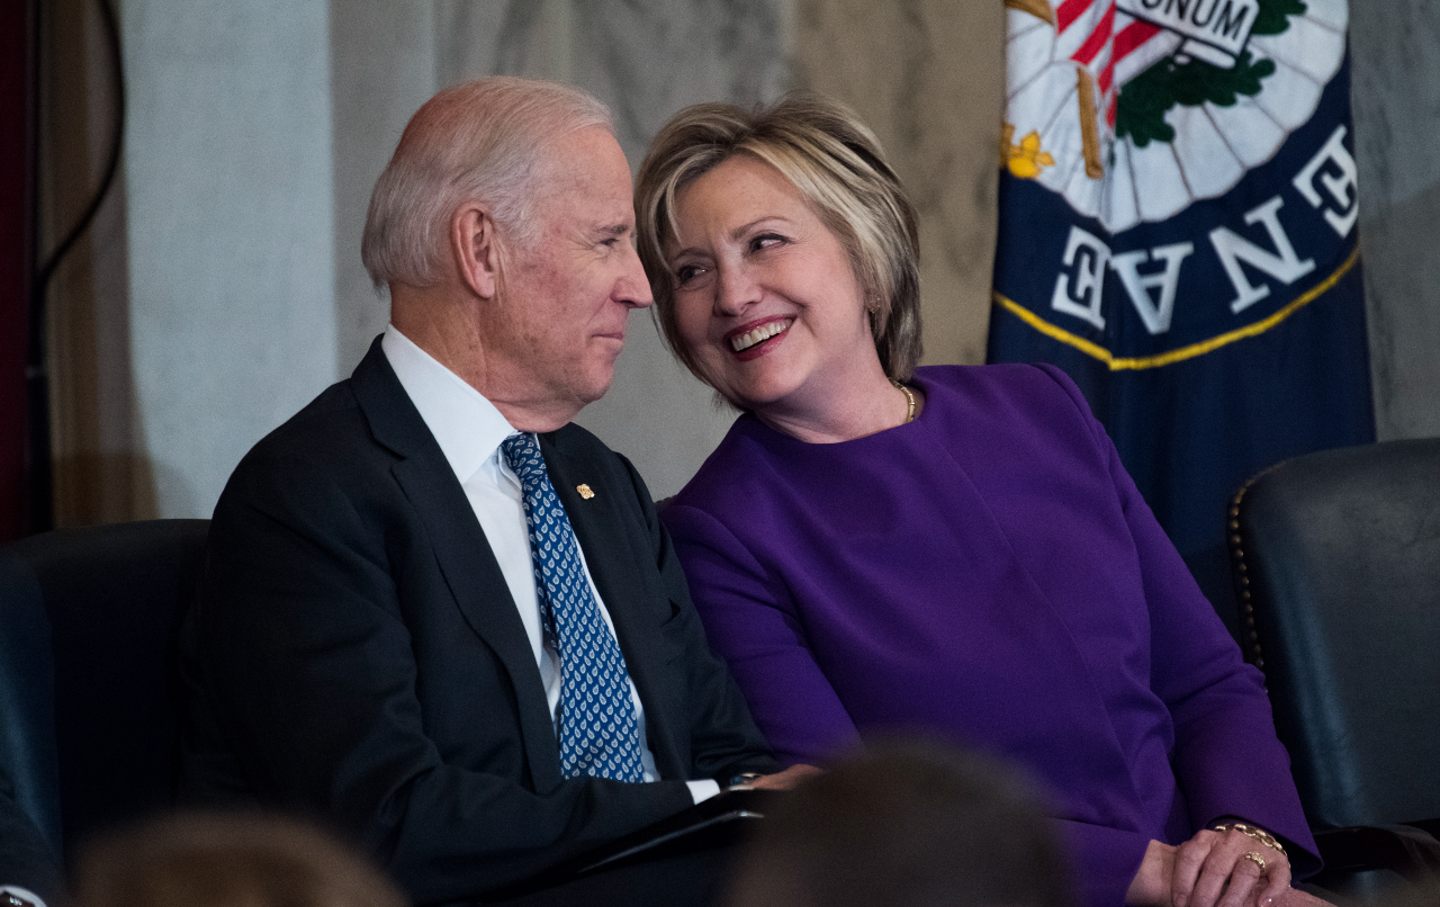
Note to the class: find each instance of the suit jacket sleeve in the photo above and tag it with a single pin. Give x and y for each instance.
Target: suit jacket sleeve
(307, 650)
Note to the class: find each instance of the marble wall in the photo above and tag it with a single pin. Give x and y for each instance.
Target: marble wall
(930, 82)
(221, 287)
(227, 191)
(190, 316)
(1395, 49)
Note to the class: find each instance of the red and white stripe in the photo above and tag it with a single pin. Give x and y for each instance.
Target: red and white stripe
(1107, 42)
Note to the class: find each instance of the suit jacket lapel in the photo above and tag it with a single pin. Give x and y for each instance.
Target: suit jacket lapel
(461, 549)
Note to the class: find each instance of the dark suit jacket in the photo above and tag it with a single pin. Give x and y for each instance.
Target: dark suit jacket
(355, 652)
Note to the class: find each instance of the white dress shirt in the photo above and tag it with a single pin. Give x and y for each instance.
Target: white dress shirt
(469, 430)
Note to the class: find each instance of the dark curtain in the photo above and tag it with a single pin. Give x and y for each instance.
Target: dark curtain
(17, 171)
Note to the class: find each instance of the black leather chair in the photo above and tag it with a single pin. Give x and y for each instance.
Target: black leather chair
(1336, 558)
(89, 691)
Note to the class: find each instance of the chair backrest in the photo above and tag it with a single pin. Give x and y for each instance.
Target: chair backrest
(110, 599)
(1336, 558)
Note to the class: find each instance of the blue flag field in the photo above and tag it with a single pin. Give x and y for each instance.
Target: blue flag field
(1178, 210)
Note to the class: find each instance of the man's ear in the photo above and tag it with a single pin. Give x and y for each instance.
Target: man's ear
(474, 244)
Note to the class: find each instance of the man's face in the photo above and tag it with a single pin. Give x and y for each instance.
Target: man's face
(567, 295)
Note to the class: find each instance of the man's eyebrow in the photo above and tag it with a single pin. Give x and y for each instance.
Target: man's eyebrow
(614, 229)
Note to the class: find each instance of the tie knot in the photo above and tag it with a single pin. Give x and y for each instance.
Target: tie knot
(522, 454)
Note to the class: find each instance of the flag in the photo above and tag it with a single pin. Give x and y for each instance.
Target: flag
(1178, 232)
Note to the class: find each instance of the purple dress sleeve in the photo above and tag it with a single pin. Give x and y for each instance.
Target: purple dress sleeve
(1227, 759)
(763, 641)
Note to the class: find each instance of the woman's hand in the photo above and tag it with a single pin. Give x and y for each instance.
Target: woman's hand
(1157, 881)
(1151, 886)
(1228, 869)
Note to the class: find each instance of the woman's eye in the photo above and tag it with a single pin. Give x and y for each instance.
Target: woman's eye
(765, 241)
(686, 273)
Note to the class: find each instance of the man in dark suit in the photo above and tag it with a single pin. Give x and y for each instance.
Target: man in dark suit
(377, 640)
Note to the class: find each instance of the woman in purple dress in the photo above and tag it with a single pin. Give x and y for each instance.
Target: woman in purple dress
(880, 549)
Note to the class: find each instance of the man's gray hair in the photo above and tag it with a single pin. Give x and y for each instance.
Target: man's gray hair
(478, 141)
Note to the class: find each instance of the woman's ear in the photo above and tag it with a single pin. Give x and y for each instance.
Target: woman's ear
(474, 246)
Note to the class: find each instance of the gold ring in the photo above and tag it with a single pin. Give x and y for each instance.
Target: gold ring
(1255, 858)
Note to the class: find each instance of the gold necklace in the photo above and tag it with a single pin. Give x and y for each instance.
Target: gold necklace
(909, 401)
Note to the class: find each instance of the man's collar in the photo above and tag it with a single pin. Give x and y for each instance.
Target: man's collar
(467, 426)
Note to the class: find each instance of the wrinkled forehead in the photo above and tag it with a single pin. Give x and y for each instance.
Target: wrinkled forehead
(584, 174)
(586, 157)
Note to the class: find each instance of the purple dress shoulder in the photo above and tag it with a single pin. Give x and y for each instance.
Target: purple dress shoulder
(987, 572)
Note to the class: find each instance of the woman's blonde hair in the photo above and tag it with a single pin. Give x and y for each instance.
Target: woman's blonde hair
(836, 164)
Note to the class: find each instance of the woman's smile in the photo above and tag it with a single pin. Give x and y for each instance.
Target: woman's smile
(751, 340)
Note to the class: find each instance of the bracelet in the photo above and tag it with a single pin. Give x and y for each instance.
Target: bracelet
(1259, 834)
(744, 778)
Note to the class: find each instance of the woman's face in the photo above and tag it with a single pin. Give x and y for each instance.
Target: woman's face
(766, 302)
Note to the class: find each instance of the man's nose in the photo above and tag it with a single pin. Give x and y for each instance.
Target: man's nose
(633, 288)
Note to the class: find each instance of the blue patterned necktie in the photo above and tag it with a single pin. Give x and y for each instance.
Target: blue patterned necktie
(599, 732)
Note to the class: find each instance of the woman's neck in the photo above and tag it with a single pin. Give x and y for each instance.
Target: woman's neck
(836, 414)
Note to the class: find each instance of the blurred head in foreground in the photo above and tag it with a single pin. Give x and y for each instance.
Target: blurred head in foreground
(918, 824)
(203, 860)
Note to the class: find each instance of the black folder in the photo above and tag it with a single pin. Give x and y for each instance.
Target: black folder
(721, 821)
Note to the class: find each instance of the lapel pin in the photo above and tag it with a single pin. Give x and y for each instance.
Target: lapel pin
(585, 491)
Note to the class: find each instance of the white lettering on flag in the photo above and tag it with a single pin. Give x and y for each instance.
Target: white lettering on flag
(1282, 264)
(1217, 29)
(1155, 313)
(1341, 185)
(1087, 256)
